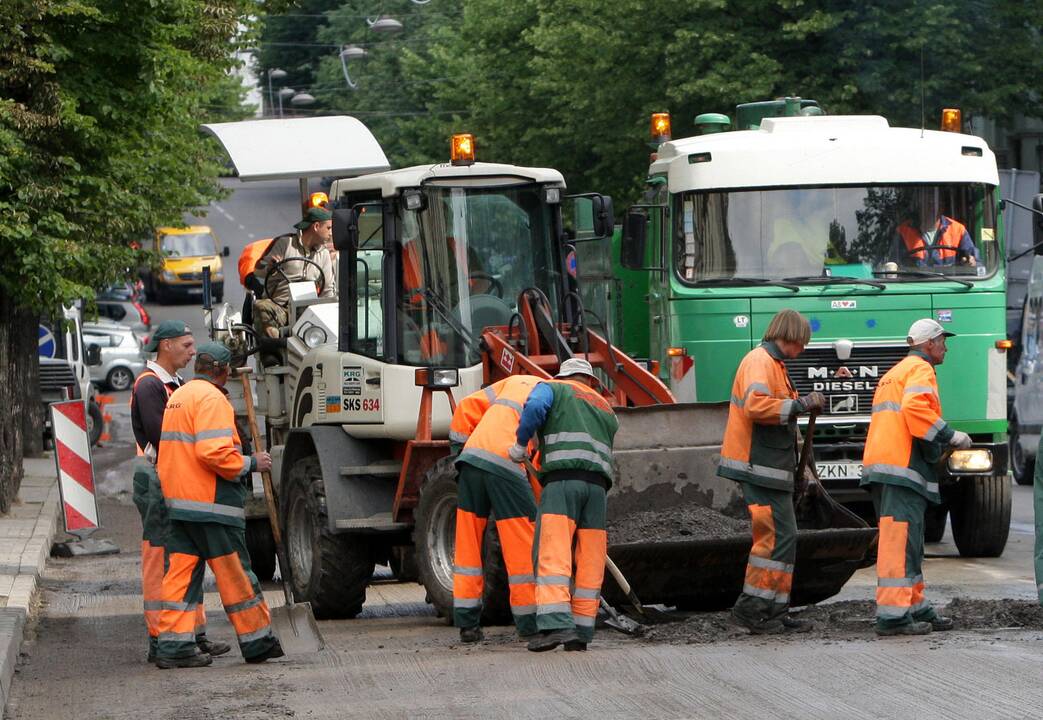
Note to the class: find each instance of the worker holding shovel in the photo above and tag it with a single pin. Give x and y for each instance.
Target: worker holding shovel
(907, 437)
(576, 427)
(759, 451)
(200, 465)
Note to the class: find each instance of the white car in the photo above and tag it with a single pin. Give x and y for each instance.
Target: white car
(122, 355)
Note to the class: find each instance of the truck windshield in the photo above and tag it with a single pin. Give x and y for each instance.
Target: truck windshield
(189, 245)
(465, 259)
(897, 233)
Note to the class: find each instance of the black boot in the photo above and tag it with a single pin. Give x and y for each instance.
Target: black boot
(275, 651)
(212, 647)
(190, 661)
(550, 639)
(471, 635)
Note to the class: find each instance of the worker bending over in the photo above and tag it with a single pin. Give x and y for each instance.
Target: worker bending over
(907, 437)
(576, 428)
(485, 424)
(200, 470)
(760, 452)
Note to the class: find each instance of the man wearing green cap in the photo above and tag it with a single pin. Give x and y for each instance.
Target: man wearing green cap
(201, 468)
(309, 243)
(174, 347)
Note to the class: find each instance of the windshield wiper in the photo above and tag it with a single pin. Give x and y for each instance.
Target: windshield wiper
(835, 280)
(930, 274)
(436, 302)
(710, 282)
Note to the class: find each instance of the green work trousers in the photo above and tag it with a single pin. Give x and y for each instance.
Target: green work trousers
(513, 505)
(569, 556)
(899, 558)
(769, 569)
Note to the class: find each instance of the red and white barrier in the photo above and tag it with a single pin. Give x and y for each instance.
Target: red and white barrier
(72, 453)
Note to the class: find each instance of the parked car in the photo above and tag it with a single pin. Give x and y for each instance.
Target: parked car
(122, 354)
(126, 312)
(185, 251)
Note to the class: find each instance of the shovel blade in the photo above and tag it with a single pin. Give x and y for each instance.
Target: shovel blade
(296, 629)
(625, 625)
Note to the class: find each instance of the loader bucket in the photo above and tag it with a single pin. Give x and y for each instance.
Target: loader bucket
(666, 459)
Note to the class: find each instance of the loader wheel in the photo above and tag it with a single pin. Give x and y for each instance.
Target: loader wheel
(980, 510)
(435, 541)
(402, 561)
(331, 571)
(261, 546)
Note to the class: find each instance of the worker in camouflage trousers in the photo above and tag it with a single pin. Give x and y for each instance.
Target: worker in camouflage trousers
(483, 427)
(907, 438)
(576, 427)
(201, 468)
(174, 347)
(760, 452)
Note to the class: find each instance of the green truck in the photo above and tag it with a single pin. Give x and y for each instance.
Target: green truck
(861, 227)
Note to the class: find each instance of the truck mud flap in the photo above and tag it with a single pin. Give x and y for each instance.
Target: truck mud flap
(707, 574)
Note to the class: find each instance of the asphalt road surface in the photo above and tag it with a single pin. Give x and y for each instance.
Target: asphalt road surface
(86, 651)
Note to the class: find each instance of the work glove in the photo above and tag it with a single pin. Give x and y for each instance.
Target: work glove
(518, 453)
(812, 401)
(960, 440)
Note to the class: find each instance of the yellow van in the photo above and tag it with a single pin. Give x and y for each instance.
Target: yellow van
(185, 251)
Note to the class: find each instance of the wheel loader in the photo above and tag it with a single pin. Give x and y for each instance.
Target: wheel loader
(451, 276)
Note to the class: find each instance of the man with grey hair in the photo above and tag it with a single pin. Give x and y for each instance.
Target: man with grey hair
(907, 437)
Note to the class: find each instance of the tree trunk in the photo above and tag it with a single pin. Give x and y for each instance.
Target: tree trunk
(28, 379)
(12, 392)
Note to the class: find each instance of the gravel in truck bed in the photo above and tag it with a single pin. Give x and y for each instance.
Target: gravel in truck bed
(689, 521)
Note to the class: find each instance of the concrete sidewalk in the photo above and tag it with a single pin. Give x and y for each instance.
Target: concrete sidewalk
(26, 534)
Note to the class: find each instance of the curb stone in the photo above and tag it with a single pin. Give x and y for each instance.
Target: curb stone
(26, 534)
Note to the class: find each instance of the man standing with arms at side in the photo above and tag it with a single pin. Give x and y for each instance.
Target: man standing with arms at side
(200, 469)
(907, 437)
(576, 427)
(760, 452)
(485, 424)
(174, 347)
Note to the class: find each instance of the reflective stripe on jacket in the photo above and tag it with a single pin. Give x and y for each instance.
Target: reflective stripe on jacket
(760, 438)
(485, 422)
(200, 457)
(907, 434)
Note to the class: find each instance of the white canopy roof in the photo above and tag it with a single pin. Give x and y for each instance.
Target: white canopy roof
(479, 174)
(337, 145)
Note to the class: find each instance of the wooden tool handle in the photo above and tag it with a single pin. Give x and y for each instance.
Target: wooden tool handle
(805, 452)
(258, 443)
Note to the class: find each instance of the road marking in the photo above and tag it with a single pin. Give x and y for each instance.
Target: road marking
(242, 227)
(224, 212)
(250, 235)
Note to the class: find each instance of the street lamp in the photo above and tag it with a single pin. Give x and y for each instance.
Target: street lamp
(302, 99)
(285, 93)
(273, 74)
(385, 24)
(350, 52)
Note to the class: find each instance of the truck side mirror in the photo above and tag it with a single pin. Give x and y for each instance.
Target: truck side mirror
(93, 355)
(635, 238)
(604, 219)
(345, 229)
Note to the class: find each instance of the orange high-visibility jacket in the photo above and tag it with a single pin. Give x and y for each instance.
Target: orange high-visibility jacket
(486, 423)
(250, 255)
(948, 242)
(907, 434)
(200, 457)
(914, 242)
(760, 439)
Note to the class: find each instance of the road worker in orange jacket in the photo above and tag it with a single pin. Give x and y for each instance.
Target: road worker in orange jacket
(174, 347)
(907, 436)
(759, 452)
(483, 427)
(200, 469)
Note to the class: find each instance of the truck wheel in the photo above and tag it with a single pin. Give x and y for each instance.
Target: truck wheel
(1022, 465)
(261, 546)
(95, 422)
(934, 523)
(980, 509)
(402, 561)
(435, 542)
(331, 571)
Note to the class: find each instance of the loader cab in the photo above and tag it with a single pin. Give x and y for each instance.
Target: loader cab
(430, 256)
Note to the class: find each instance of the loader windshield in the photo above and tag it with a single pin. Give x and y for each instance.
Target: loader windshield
(465, 259)
(898, 233)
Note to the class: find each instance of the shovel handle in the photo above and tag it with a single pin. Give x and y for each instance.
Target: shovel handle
(805, 451)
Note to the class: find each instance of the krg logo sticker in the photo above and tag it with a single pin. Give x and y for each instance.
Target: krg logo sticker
(352, 384)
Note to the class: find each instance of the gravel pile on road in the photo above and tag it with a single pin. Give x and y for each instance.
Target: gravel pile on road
(689, 521)
(851, 620)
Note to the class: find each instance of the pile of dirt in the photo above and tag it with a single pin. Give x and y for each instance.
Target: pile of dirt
(851, 620)
(689, 521)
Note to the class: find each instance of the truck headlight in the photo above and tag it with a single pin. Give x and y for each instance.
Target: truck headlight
(169, 276)
(437, 377)
(313, 336)
(975, 460)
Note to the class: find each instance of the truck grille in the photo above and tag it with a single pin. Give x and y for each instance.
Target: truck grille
(847, 384)
(55, 375)
(192, 276)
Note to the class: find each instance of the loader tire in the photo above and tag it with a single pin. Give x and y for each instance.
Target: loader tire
(435, 543)
(261, 546)
(402, 561)
(329, 570)
(980, 511)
